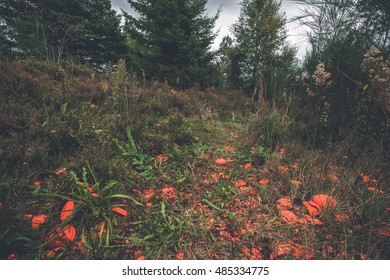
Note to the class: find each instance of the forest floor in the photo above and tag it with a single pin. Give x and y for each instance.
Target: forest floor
(94, 169)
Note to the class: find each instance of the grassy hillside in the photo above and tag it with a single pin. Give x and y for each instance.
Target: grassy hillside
(102, 166)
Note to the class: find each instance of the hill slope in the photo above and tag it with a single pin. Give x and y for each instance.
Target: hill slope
(99, 166)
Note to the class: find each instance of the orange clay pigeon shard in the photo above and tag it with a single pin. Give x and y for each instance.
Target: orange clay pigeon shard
(319, 202)
(36, 220)
(120, 211)
(70, 233)
(312, 208)
(288, 216)
(222, 161)
(324, 201)
(67, 210)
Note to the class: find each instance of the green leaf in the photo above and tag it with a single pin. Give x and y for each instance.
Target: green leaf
(163, 209)
(74, 176)
(136, 240)
(84, 241)
(110, 184)
(211, 204)
(85, 179)
(63, 108)
(126, 197)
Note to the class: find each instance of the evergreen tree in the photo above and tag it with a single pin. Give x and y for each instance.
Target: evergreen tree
(227, 60)
(47, 29)
(170, 40)
(259, 34)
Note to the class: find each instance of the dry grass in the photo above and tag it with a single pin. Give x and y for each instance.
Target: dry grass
(151, 151)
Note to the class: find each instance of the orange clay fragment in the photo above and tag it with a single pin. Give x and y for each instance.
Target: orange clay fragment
(68, 232)
(169, 192)
(67, 210)
(149, 193)
(180, 255)
(288, 216)
(312, 208)
(120, 211)
(384, 232)
(284, 203)
(38, 220)
(341, 218)
(297, 250)
(324, 201)
(240, 184)
(220, 161)
(264, 181)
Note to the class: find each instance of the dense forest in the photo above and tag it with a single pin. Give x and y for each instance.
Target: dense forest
(126, 136)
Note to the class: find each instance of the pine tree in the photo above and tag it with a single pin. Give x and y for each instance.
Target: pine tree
(87, 30)
(170, 40)
(259, 33)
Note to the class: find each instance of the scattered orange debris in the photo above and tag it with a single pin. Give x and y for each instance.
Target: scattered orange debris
(91, 106)
(288, 216)
(248, 165)
(220, 161)
(37, 183)
(101, 227)
(295, 166)
(342, 218)
(264, 181)
(67, 210)
(296, 183)
(180, 255)
(324, 201)
(296, 250)
(283, 169)
(365, 178)
(284, 203)
(253, 254)
(318, 202)
(333, 177)
(149, 193)
(311, 220)
(229, 148)
(138, 254)
(373, 189)
(206, 155)
(312, 208)
(384, 232)
(169, 192)
(68, 232)
(120, 211)
(240, 184)
(38, 220)
(50, 253)
(60, 170)
(162, 158)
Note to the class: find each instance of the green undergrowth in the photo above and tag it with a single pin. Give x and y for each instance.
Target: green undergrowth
(139, 164)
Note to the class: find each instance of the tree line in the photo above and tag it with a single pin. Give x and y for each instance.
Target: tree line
(168, 41)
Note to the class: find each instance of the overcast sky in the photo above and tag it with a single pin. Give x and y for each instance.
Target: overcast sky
(229, 15)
